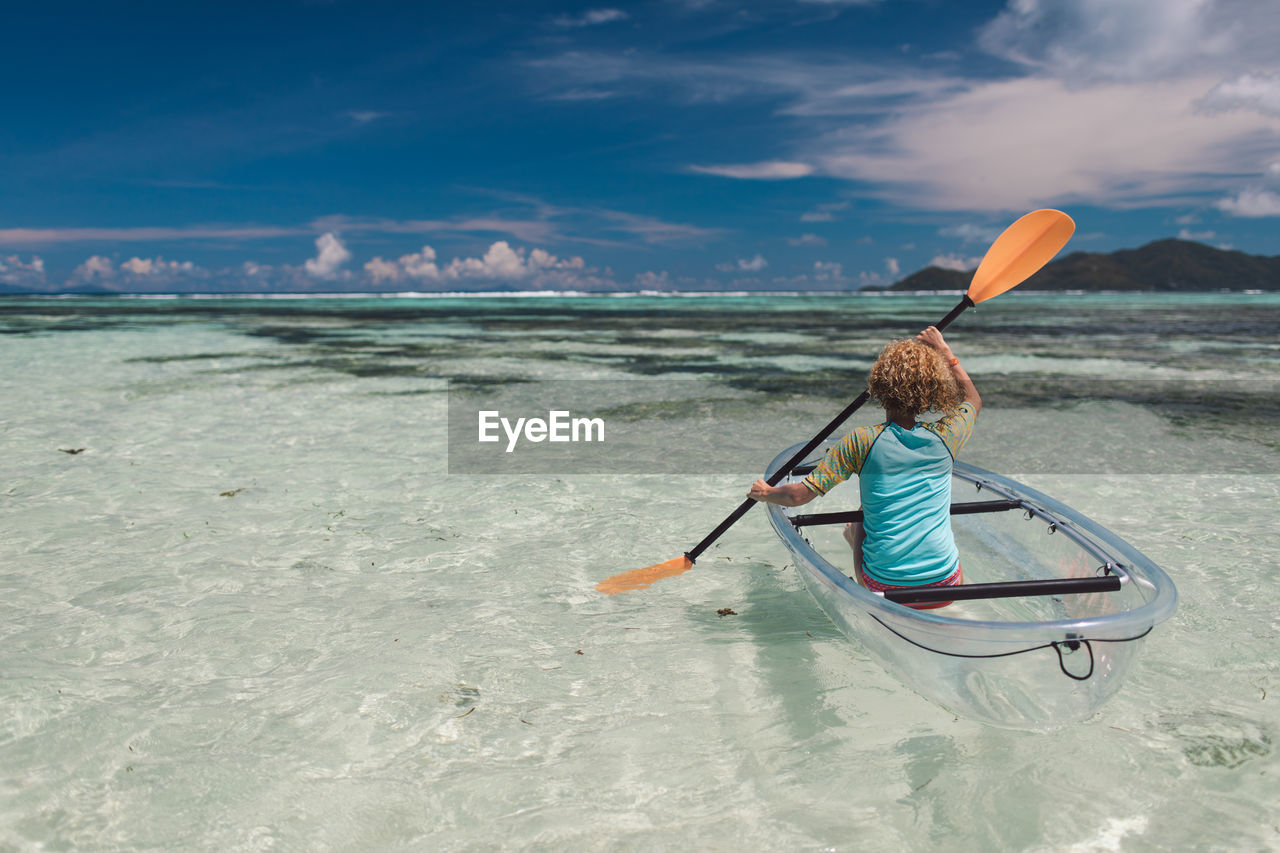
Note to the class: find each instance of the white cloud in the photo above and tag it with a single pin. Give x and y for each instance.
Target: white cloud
(1251, 203)
(500, 263)
(829, 271)
(27, 236)
(421, 265)
(1093, 40)
(892, 270)
(94, 267)
(584, 95)
(653, 281)
(591, 18)
(769, 170)
(365, 116)
(521, 229)
(331, 255)
(817, 216)
(15, 271)
(744, 265)
(1201, 236)
(156, 267)
(807, 240)
(648, 228)
(1257, 92)
(1017, 144)
(955, 262)
(380, 271)
(971, 233)
(139, 273)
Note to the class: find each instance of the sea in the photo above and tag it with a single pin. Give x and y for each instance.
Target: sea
(268, 583)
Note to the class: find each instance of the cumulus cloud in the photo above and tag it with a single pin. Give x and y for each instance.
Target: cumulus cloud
(20, 273)
(500, 263)
(744, 265)
(330, 257)
(806, 240)
(137, 273)
(770, 170)
(156, 267)
(1252, 203)
(94, 267)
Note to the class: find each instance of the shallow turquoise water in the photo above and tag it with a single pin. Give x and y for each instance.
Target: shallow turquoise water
(258, 611)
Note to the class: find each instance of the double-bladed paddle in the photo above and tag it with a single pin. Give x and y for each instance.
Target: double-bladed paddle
(1023, 248)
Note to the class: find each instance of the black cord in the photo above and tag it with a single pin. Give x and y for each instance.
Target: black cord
(1072, 644)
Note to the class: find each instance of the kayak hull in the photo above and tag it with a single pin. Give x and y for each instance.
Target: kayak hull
(1023, 662)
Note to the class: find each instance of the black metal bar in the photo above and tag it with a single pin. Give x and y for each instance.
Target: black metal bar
(1009, 589)
(966, 508)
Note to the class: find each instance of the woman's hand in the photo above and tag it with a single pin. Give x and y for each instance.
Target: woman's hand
(932, 337)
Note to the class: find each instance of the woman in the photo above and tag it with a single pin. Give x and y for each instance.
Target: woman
(903, 468)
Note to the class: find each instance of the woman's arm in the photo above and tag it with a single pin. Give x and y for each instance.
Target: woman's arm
(933, 338)
(792, 494)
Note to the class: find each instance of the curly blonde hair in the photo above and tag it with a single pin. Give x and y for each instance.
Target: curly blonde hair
(912, 378)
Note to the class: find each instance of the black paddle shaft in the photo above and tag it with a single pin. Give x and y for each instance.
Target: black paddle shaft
(696, 551)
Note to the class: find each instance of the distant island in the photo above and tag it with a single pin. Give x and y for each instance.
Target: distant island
(1166, 265)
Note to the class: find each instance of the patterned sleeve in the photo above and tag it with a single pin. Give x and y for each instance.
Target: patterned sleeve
(955, 428)
(843, 461)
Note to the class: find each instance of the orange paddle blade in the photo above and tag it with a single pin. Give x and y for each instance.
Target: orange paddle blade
(644, 578)
(1023, 248)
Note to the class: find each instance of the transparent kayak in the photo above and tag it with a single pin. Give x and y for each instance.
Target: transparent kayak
(1063, 606)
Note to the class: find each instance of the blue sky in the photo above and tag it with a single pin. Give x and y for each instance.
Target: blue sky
(673, 144)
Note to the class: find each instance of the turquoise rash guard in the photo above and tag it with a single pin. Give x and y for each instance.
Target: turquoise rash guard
(904, 477)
